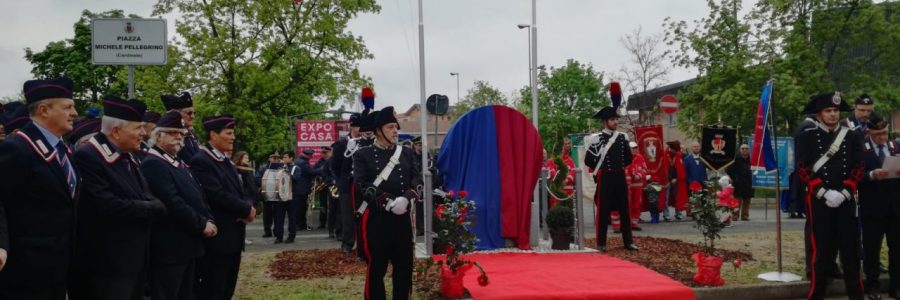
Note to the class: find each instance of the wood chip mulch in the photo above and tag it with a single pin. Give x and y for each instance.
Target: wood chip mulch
(315, 263)
(666, 256)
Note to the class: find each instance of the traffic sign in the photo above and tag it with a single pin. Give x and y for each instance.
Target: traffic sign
(668, 104)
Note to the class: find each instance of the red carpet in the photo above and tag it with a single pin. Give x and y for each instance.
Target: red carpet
(569, 276)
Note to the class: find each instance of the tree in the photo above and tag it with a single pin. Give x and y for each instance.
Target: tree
(72, 58)
(568, 97)
(266, 60)
(649, 59)
(807, 47)
(481, 94)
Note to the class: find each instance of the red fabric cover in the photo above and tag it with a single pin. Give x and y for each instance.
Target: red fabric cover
(570, 276)
(520, 155)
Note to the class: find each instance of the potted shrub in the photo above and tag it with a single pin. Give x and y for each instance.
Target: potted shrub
(561, 222)
(454, 218)
(707, 213)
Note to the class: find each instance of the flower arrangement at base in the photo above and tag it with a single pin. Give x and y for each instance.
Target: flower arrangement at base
(710, 211)
(453, 219)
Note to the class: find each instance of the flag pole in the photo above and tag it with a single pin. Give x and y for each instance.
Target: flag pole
(778, 275)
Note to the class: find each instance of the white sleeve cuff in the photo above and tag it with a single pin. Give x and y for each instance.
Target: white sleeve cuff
(846, 194)
(871, 175)
(821, 193)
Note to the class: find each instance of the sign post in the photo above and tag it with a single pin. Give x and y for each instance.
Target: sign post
(129, 42)
(669, 105)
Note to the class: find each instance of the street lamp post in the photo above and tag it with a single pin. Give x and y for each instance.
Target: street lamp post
(523, 26)
(457, 84)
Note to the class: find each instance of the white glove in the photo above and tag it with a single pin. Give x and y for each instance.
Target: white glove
(397, 206)
(834, 198)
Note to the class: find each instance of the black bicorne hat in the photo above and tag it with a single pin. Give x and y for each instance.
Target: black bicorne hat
(606, 113)
(177, 102)
(822, 101)
(384, 117)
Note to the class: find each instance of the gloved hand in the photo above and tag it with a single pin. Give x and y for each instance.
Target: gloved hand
(155, 206)
(833, 198)
(397, 205)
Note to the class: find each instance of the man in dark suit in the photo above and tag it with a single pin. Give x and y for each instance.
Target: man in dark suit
(231, 209)
(830, 162)
(696, 169)
(341, 166)
(177, 239)
(184, 104)
(40, 186)
(116, 208)
(608, 162)
(386, 221)
(303, 183)
(879, 205)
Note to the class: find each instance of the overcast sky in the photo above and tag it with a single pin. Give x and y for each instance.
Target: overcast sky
(476, 38)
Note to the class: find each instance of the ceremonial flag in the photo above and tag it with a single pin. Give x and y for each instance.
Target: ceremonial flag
(762, 155)
(718, 146)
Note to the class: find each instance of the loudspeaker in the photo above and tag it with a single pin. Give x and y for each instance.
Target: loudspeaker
(437, 104)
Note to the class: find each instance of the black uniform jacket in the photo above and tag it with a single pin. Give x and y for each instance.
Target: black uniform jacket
(841, 173)
(618, 157)
(177, 237)
(37, 212)
(226, 198)
(191, 147)
(337, 164)
(404, 178)
(114, 217)
(879, 198)
(741, 177)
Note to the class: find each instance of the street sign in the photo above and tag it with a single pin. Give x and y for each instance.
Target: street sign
(668, 104)
(128, 42)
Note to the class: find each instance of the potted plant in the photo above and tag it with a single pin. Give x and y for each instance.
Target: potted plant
(454, 219)
(561, 222)
(707, 213)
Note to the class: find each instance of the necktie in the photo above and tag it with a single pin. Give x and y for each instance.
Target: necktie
(63, 157)
(881, 153)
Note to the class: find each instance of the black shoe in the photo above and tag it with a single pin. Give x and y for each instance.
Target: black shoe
(346, 249)
(320, 227)
(267, 235)
(278, 241)
(631, 247)
(617, 231)
(289, 240)
(872, 295)
(602, 249)
(331, 235)
(636, 228)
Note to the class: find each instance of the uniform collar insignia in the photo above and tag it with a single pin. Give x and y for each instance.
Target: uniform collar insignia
(213, 153)
(104, 150)
(155, 151)
(38, 145)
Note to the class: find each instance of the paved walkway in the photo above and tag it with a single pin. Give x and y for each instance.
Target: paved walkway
(760, 221)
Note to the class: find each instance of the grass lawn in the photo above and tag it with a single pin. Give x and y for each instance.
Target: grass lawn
(255, 283)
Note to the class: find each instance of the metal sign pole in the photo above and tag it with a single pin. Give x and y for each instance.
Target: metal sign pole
(130, 81)
(778, 275)
(579, 210)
